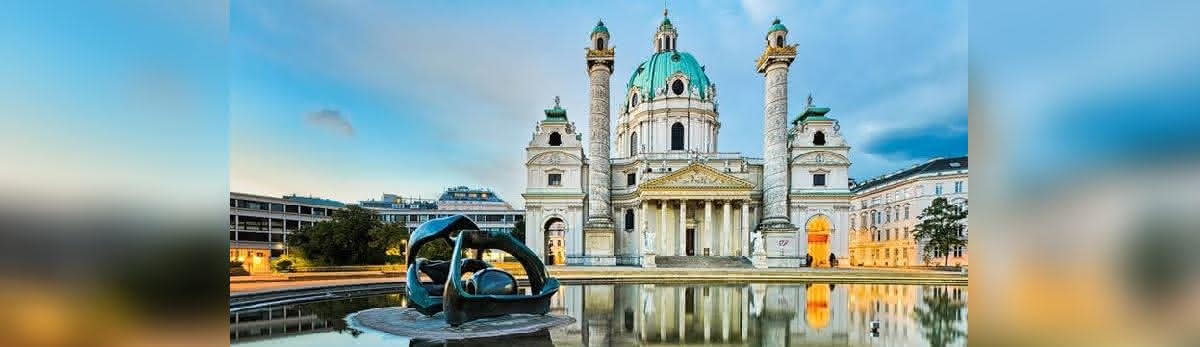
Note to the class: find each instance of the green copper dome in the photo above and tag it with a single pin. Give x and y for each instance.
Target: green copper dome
(652, 74)
(600, 28)
(776, 25)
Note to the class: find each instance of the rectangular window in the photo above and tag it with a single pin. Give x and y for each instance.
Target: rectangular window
(555, 179)
(276, 208)
(906, 209)
(818, 180)
(276, 225)
(937, 189)
(305, 210)
(292, 209)
(631, 179)
(318, 211)
(292, 225)
(958, 186)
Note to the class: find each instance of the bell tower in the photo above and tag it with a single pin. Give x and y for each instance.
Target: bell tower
(664, 39)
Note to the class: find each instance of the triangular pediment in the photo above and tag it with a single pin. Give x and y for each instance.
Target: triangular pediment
(695, 176)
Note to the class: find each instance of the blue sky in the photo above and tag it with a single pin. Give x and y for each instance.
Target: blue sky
(348, 100)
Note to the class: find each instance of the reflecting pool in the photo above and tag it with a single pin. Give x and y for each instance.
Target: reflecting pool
(651, 314)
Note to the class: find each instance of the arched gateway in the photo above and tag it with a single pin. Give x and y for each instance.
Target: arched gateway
(818, 230)
(554, 231)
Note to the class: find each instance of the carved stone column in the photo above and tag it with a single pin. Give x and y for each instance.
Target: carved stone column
(682, 232)
(744, 234)
(599, 232)
(709, 246)
(776, 227)
(726, 231)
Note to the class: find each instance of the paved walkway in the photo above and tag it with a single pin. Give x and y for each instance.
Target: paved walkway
(618, 274)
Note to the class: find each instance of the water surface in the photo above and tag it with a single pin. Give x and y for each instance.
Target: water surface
(675, 314)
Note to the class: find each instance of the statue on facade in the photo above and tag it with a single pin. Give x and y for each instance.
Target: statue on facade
(756, 243)
(647, 238)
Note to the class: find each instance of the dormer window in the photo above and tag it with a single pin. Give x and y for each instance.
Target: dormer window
(677, 87)
(819, 139)
(555, 139)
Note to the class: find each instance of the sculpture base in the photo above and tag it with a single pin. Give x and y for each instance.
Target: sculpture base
(597, 246)
(408, 322)
(648, 260)
(759, 260)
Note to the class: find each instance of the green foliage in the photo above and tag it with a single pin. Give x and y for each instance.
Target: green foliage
(518, 231)
(283, 265)
(940, 228)
(939, 319)
(438, 249)
(355, 236)
(236, 269)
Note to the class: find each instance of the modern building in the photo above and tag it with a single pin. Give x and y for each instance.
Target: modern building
(886, 210)
(482, 205)
(667, 190)
(259, 225)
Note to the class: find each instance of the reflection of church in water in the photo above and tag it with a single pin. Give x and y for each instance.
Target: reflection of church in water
(749, 314)
(659, 188)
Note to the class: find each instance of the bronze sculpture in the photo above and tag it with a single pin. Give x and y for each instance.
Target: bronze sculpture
(490, 291)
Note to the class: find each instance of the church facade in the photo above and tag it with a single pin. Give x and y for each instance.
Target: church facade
(659, 189)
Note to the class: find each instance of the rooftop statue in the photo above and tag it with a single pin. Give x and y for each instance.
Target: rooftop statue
(490, 291)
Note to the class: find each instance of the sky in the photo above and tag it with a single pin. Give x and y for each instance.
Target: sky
(349, 100)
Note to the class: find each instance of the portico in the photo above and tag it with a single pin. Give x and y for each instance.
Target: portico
(691, 212)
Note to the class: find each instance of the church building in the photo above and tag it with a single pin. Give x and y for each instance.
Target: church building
(658, 190)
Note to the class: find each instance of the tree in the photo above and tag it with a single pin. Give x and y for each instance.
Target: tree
(518, 231)
(354, 236)
(939, 318)
(941, 228)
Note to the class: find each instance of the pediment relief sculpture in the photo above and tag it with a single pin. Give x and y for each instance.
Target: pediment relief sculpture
(554, 158)
(697, 176)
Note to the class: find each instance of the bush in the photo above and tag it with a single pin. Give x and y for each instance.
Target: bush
(236, 269)
(283, 265)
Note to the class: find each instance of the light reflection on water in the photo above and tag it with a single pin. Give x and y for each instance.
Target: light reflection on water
(647, 314)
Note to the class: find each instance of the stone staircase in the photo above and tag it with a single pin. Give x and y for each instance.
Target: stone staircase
(702, 262)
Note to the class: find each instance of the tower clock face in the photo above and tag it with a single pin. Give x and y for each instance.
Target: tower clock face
(677, 87)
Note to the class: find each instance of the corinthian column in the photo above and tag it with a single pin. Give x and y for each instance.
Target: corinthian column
(599, 232)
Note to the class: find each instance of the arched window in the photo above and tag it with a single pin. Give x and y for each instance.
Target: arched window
(677, 137)
(599, 43)
(779, 41)
(555, 139)
(677, 87)
(819, 139)
(633, 101)
(633, 145)
(629, 220)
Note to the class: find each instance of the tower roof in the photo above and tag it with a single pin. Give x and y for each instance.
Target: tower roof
(600, 28)
(812, 113)
(652, 74)
(776, 25)
(557, 113)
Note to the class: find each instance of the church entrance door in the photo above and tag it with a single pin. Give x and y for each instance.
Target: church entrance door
(691, 240)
